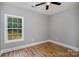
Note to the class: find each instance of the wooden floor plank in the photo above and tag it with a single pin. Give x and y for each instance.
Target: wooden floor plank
(43, 50)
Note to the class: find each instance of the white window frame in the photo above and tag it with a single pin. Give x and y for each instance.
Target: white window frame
(6, 28)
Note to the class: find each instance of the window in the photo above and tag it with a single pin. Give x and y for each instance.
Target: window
(14, 28)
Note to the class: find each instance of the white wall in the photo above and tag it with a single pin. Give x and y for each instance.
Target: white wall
(63, 27)
(35, 26)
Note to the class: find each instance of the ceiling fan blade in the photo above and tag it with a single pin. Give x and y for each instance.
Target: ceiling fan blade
(57, 3)
(40, 4)
(47, 7)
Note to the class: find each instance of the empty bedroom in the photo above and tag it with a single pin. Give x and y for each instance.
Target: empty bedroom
(39, 29)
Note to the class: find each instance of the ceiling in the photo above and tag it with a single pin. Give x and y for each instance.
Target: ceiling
(41, 9)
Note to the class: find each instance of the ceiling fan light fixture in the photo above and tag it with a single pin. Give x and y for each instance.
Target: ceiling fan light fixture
(48, 3)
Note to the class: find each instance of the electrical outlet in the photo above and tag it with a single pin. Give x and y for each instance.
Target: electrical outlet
(32, 39)
(56, 38)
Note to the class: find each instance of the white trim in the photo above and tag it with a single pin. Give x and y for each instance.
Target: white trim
(24, 46)
(33, 44)
(14, 16)
(65, 45)
(5, 27)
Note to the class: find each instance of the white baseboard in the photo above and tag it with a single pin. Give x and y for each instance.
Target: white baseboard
(65, 45)
(20, 47)
(33, 44)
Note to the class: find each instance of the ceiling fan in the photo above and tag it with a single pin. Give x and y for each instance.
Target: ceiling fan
(47, 4)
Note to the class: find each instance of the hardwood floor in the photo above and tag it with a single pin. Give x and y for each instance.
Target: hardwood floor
(43, 50)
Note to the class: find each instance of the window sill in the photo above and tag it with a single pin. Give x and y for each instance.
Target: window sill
(12, 41)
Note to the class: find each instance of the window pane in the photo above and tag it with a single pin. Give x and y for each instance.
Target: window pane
(19, 20)
(14, 35)
(9, 25)
(19, 30)
(9, 31)
(9, 37)
(10, 19)
(14, 32)
(14, 20)
(19, 34)
(19, 25)
(14, 25)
